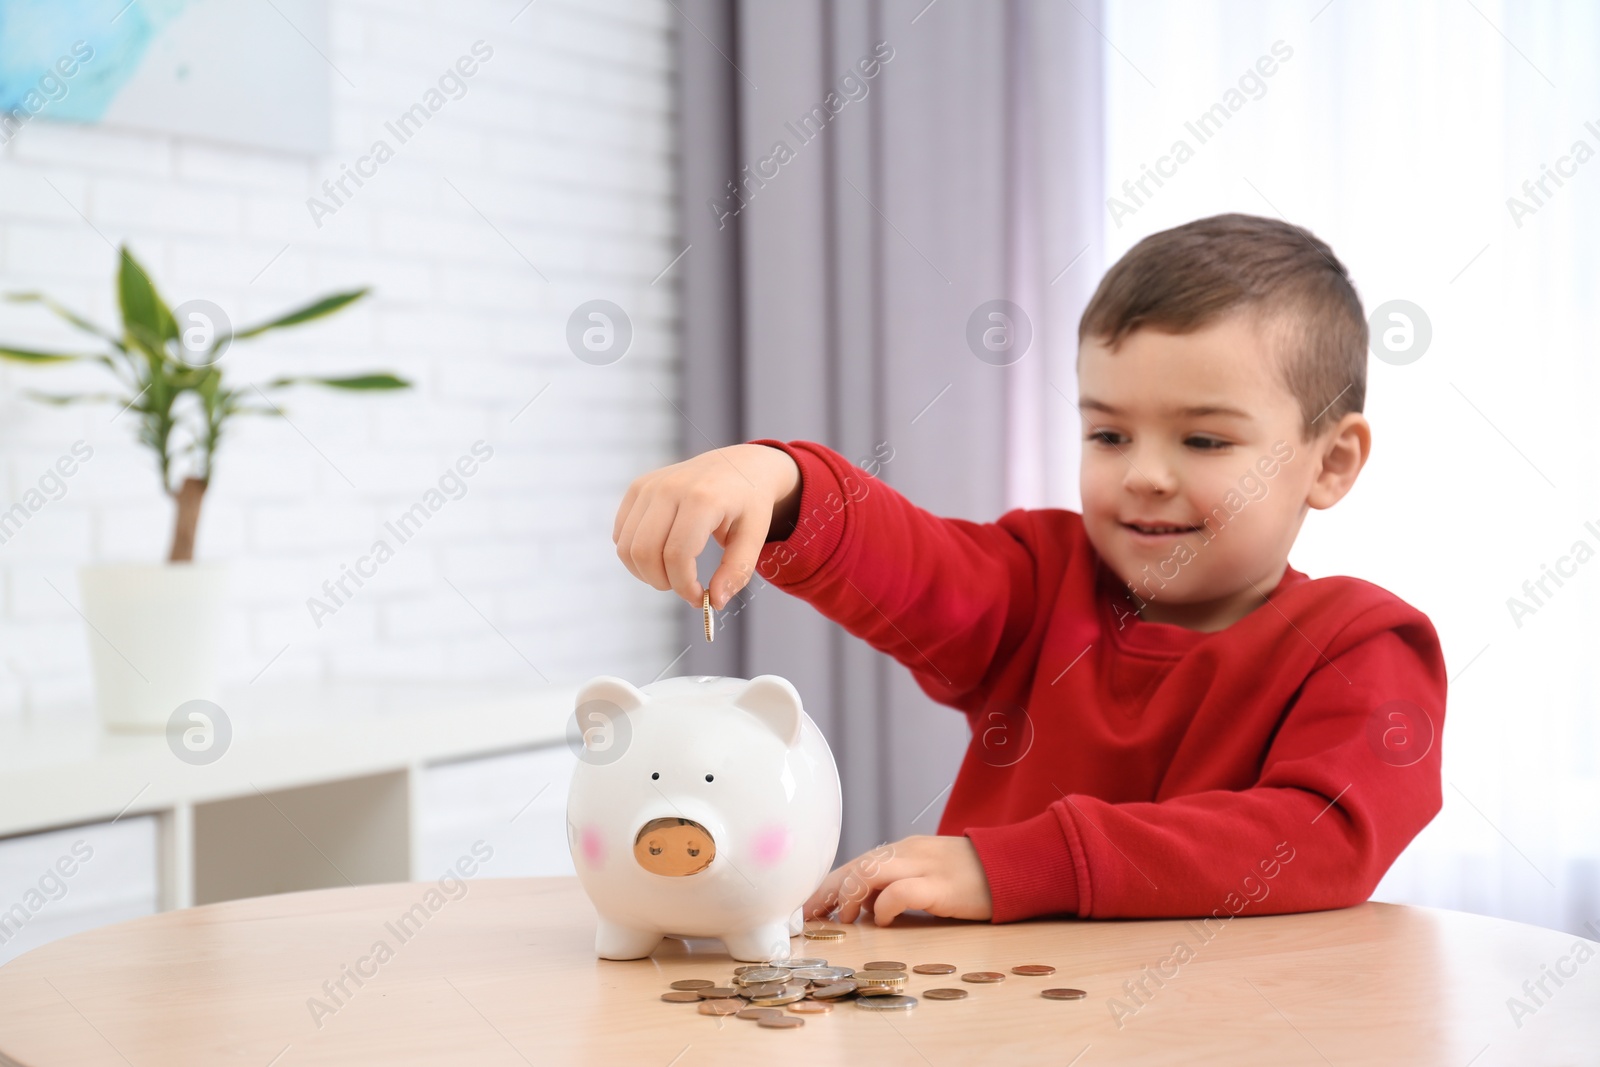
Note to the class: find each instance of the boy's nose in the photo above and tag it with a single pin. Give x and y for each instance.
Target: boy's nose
(1149, 474)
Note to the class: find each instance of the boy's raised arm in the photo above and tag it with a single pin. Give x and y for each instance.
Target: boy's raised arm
(948, 598)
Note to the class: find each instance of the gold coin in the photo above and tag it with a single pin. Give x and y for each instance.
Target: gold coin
(717, 992)
(934, 968)
(983, 976)
(693, 983)
(867, 976)
(835, 989)
(1034, 970)
(780, 1022)
(705, 606)
(811, 1007)
(1063, 994)
(944, 994)
(721, 1007)
(880, 990)
(757, 1013)
(883, 965)
(780, 999)
(681, 996)
(825, 933)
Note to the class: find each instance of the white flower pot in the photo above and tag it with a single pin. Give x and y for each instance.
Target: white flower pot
(152, 638)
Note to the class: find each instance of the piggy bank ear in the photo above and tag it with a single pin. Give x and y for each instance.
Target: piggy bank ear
(775, 702)
(611, 690)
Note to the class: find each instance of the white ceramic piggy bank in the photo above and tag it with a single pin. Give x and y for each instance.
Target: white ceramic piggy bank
(700, 807)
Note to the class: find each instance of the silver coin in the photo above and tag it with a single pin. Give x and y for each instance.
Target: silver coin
(800, 961)
(823, 974)
(764, 974)
(887, 1002)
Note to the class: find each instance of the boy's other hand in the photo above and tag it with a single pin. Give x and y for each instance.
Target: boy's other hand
(939, 874)
(742, 495)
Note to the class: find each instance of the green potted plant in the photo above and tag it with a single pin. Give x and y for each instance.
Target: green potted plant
(153, 626)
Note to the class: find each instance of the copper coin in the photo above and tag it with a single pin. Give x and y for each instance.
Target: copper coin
(757, 1013)
(934, 968)
(811, 1007)
(944, 994)
(836, 989)
(1063, 994)
(693, 983)
(883, 965)
(681, 996)
(1034, 970)
(780, 1022)
(983, 976)
(749, 967)
(721, 1007)
(717, 992)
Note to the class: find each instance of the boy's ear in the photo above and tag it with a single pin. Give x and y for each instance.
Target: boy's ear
(1343, 451)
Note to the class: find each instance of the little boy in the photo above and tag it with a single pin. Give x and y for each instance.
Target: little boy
(1167, 719)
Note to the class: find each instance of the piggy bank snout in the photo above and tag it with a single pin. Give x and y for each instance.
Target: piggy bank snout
(674, 847)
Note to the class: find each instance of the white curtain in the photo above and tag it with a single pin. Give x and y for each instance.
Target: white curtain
(1398, 133)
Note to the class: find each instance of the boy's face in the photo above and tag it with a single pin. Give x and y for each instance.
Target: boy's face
(1196, 432)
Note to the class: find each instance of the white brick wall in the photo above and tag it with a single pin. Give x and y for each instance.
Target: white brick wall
(564, 140)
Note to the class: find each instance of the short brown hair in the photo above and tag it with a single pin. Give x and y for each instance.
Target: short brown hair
(1184, 278)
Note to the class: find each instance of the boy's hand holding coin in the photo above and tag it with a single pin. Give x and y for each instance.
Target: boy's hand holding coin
(741, 495)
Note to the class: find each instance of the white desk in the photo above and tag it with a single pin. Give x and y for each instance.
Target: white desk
(316, 788)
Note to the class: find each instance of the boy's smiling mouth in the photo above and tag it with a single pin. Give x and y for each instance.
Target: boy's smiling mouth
(1155, 531)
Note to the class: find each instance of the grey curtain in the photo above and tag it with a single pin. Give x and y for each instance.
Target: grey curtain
(827, 293)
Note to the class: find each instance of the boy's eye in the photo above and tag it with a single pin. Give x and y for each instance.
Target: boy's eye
(1207, 444)
(1105, 437)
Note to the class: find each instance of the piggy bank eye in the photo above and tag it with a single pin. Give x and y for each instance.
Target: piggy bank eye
(708, 777)
(694, 852)
(655, 850)
(654, 775)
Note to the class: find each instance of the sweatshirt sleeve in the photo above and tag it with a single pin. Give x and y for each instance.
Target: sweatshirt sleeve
(1351, 777)
(949, 599)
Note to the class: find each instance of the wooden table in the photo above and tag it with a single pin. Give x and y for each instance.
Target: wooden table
(504, 973)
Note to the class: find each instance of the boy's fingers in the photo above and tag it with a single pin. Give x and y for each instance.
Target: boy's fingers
(825, 897)
(625, 539)
(691, 527)
(623, 509)
(739, 556)
(900, 895)
(649, 536)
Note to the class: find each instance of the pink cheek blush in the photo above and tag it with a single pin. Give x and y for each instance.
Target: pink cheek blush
(771, 845)
(592, 845)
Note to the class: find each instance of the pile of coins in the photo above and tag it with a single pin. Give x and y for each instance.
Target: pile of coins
(811, 986)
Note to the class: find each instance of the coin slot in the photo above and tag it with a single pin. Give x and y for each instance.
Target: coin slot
(674, 847)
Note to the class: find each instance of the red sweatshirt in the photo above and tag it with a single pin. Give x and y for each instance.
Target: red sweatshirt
(1120, 768)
